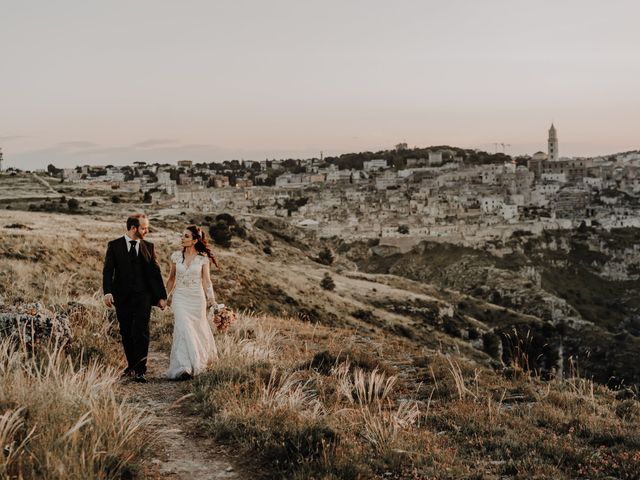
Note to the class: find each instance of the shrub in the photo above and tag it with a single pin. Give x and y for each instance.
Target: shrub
(73, 204)
(492, 345)
(325, 257)
(327, 282)
(224, 228)
(361, 314)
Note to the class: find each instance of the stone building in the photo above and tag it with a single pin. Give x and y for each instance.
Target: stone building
(571, 203)
(552, 144)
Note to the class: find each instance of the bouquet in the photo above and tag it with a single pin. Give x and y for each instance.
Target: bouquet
(223, 317)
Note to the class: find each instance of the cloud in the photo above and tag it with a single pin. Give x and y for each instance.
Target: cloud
(155, 142)
(76, 145)
(9, 138)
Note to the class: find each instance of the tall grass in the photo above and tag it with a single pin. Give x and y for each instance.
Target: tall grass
(286, 390)
(61, 420)
(382, 427)
(303, 423)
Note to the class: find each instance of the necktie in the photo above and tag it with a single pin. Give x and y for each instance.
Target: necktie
(132, 251)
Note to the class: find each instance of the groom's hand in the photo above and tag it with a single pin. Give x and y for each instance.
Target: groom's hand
(162, 304)
(108, 300)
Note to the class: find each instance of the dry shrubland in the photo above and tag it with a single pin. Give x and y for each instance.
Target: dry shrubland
(61, 413)
(63, 420)
(309, 412)
(302, 399)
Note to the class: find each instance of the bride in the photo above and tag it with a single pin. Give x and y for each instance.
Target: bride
(190, 285)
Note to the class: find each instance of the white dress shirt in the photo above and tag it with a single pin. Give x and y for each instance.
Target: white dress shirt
(128, 239)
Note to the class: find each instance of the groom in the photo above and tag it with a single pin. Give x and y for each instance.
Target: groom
(132, 281)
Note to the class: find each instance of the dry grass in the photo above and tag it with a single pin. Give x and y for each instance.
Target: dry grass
(455, 419)
(308, 400)
(60, 415)
(62, 420)
(383, 427)
(304, 423)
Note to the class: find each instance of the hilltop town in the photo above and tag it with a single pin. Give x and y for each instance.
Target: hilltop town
(400, 196)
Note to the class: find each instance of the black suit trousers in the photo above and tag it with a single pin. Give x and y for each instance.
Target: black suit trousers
(133, 311)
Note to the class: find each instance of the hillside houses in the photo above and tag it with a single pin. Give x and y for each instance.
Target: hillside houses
(432, 195)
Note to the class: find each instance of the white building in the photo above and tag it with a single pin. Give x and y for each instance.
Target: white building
(509, 212)
(554, 177)
(375, 164)
(387, 179)
(491, 204)
(339, 176)
(594, 182)
(435, 158)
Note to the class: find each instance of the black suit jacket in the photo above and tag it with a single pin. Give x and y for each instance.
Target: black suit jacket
(117, 272)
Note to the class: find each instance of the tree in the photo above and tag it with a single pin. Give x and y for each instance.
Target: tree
(327, 282)
(325, 256)
(221, 233)
(224, 228)
(53, 171)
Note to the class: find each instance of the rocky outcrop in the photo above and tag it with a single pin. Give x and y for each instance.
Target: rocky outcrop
(576, 294)
(33, 324)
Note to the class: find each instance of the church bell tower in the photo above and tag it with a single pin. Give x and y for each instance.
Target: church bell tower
(553, 144)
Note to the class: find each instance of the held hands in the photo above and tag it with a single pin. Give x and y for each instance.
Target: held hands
(108, 300)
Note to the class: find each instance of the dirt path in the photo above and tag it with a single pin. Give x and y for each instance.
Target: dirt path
(177, 451)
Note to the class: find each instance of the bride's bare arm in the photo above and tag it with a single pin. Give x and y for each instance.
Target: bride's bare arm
(171, 281)
(206, 284)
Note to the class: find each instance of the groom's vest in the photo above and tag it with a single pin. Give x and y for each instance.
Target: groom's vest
(137, 279)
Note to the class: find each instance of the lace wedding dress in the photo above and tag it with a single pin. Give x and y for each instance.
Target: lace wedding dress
(193, 345)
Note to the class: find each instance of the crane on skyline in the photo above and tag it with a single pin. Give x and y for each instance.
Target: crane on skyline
(500, 144)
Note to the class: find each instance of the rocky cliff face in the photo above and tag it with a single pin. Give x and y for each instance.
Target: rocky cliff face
(568, 299)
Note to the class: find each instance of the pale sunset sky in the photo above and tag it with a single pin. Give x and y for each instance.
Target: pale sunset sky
(117, 81)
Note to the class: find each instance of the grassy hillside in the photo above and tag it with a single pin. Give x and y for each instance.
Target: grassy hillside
(382, 377)
(575, 293)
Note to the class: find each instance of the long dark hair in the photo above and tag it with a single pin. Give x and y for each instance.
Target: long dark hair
(201, 246)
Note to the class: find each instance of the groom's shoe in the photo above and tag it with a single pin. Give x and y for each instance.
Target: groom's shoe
(127, 373)
(140, 378)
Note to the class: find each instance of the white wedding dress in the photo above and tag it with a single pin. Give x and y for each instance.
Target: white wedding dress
(193, 345)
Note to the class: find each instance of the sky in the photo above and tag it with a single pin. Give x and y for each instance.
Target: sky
(114, 82)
